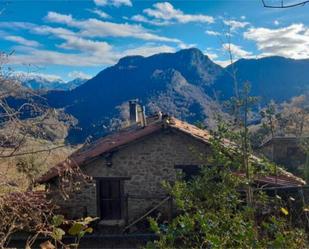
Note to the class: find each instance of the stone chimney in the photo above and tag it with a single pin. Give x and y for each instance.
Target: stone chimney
(133, 111)
(137, 113)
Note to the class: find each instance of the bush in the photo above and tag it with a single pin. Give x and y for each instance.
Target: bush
(213, 213)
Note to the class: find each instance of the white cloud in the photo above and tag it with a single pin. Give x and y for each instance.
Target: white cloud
(148, 50)
(85, 45)
(185, 46)
(79, 74)
(47, 30)
(97, 54)
(21, 75)
(211, 32)
(59, 18)
(243, 17)
(234, 25)
(79, 46)
(276, 22)
(143, 19)
(97, 28)
(165, 11)
(48, 57)
(73, 41)
(236, 51)
(116, 3)
(81, 42)
(17, 25)
(21, 40)
(36, 57)
(100, 13)
(223, 63)
(83, 52)
(291, 41)
(215, 57)
(211, 55)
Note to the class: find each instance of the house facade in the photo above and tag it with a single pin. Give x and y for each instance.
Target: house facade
(127, 176)
(127, 170)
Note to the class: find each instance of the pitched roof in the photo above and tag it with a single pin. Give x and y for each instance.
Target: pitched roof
(99, 147)
(291, 138)
(126, 136)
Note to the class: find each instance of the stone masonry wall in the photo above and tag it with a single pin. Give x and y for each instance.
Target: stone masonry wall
(147, 162)
(286, 152)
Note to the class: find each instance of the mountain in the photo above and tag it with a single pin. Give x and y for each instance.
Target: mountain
(69, 85)
(271, 78)
(41, 82)
(172, 82)
(183, 84)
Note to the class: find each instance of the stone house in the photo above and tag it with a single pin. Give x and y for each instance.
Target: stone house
(285, 151)
(127, 170)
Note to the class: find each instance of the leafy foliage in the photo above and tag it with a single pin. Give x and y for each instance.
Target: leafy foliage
(32, 212)
(213, 212)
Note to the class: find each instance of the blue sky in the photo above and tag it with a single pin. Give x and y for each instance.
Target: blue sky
(70, 38)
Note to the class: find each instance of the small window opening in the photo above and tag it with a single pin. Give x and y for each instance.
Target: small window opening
(189, 171)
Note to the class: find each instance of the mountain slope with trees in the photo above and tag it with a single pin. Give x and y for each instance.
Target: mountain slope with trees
(272, 78)
(185, 84)
(174, 83)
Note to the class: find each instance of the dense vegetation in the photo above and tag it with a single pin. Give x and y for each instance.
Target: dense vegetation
(213, 211)
(221, 208)
(217, 209)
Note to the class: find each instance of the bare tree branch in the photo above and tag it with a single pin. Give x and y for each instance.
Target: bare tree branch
(31, 152)
(284, 6)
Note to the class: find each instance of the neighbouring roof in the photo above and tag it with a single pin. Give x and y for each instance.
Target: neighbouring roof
(285, 179)
(289, 138)
(124, 137)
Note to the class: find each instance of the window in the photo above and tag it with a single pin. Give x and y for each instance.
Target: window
(110, 198)
(189, 171)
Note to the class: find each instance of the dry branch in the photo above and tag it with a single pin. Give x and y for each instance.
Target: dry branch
(284, 6)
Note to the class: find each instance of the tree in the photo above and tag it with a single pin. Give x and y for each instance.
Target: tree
(295, 115)
(269, 114)
(286, 119)
(212, 212)
(21, 123)
(304, 145)
(240, 108)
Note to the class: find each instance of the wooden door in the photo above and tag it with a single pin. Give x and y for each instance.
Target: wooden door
(110, 199)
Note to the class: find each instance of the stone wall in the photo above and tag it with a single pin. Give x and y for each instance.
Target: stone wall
(267, 151)
(148, 162)
(285, 152)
